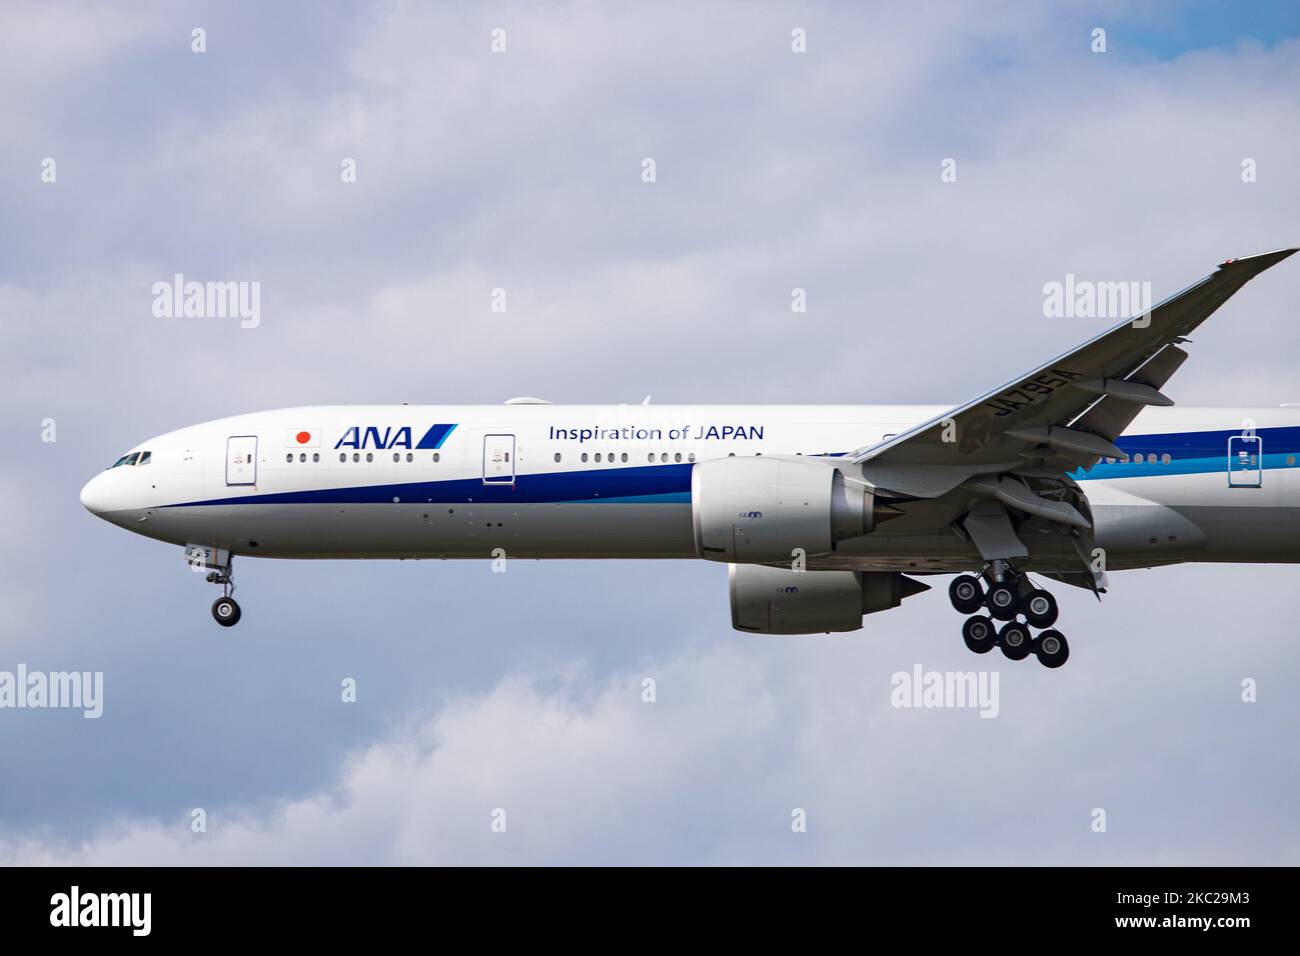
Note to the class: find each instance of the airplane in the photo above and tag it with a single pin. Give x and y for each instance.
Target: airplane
(823, 514)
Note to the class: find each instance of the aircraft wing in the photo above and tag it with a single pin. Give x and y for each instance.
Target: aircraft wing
(1061, 416)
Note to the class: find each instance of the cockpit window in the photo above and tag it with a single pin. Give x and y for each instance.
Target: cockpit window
(127, 459)
(144, 458)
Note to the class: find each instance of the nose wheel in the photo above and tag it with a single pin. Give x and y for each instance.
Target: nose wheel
(1008, 598)
(226, 612)
(225, 609)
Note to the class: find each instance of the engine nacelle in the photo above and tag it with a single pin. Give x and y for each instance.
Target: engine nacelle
(776, 601)
(759, 510)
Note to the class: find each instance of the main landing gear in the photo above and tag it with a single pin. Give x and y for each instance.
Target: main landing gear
(1009, 596)
(225, 609)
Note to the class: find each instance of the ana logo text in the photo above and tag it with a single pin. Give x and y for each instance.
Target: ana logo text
(381, 437)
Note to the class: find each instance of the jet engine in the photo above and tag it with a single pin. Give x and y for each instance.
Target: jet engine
(777, 601)
(759, 510)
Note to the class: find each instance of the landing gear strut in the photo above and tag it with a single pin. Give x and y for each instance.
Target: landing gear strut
(225, 609)
(1008, 597)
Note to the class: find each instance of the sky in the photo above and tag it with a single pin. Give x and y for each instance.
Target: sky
(522, 170)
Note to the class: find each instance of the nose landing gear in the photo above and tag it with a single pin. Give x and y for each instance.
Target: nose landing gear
(1007, 598)
(225, 609)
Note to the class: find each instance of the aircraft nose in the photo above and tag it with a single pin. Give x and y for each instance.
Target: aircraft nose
(93, 497)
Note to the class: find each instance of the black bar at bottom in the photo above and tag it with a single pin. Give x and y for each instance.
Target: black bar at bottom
(333, 905)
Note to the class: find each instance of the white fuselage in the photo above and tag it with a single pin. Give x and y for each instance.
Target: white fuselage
(550, 481)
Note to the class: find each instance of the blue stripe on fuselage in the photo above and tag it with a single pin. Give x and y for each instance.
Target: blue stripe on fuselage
(655, 483)
(1192, 453)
